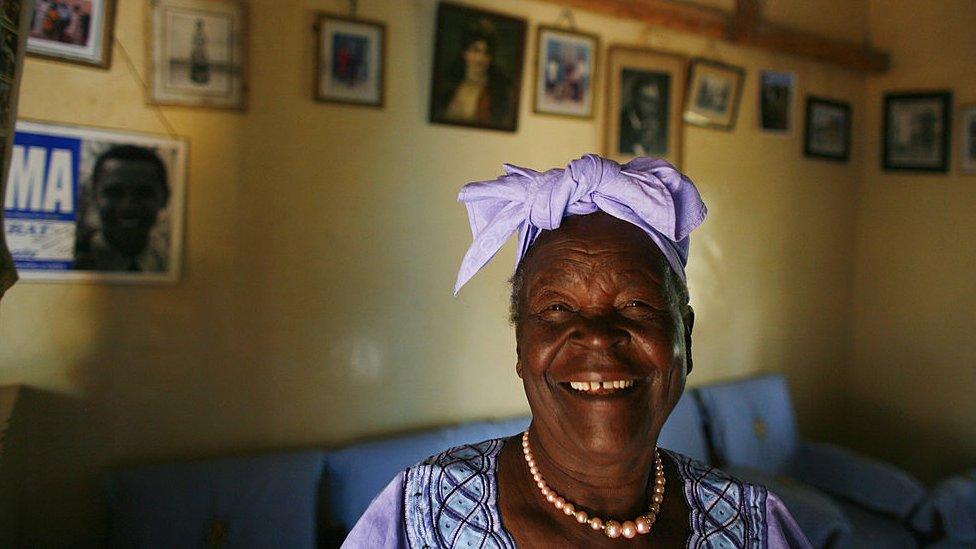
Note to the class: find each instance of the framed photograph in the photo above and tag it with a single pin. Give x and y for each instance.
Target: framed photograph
(967, 139)
(713, 94)
(828, 129)
(644, 102)
(564, 72)
(197, 53)
(79, 31)
(350, 60)
(92, 204)
(916, 131)
(477, 68)
(776, 101)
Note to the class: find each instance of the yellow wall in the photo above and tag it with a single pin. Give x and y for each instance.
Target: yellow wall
(913, 362)
(323, 241)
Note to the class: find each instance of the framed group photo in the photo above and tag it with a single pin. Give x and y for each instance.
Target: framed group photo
(565, 72)
(916, 131)
(78, 31)
(350, 60)
(197, 53)
(478, 62)
(776, 92)
(828, 129)
(644, 103)
(64, 214)
(967, 139)
(714, 90)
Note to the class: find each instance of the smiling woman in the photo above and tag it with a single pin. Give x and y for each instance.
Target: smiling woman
(603, 331)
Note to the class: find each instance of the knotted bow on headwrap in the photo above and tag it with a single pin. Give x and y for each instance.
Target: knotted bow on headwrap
(647, 192)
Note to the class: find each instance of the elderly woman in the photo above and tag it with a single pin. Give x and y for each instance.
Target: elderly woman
(603, 340)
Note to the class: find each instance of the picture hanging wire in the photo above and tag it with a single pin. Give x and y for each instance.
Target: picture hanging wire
(648, 37)
(170, 130)
(352, 8)
(567, 16)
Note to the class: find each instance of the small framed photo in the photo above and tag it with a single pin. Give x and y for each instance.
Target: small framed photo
(197, 53)
(78, 31)
(564, 72)
(477, 76)
(916, 131)
(350, 62)
(967, 140)
(776, 101)
(644, 103)
(713, 94)
(828, 129)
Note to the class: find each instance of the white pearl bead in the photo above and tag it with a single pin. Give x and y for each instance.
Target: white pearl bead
(657, 498)
(613, 529)
(559, 502)
(596, 523)
(628, 529)
(659, 489)
(643, 525)
(581, 517)
(568, 509)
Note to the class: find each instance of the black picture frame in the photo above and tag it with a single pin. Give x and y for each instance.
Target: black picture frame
(913, 139)
(822, 131)
(505, 40)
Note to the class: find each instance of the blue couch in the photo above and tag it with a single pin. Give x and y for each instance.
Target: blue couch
(311, 498)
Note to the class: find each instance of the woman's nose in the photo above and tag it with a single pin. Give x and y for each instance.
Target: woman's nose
(598, 333)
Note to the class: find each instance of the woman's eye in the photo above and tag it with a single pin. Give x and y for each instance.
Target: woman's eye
(635, 303)
(558, 307)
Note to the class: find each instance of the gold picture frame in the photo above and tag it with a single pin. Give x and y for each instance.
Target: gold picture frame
(644, 104)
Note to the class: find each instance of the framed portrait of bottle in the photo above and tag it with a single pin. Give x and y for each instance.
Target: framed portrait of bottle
(197, 53)
(477, 76)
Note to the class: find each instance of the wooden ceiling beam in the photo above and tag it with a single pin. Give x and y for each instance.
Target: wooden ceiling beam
(744, 27)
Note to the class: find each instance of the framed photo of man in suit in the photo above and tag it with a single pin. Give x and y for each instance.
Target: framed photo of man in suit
(644, 104)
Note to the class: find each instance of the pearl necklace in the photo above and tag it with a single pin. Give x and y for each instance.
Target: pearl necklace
(612, 528)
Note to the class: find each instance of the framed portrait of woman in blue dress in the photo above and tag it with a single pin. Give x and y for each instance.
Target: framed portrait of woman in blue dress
(478, 62)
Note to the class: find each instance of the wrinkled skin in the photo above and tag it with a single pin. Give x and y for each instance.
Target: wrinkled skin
(128, 195)
(596, 305)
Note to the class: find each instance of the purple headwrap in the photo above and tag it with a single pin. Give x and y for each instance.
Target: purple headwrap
(647, 192)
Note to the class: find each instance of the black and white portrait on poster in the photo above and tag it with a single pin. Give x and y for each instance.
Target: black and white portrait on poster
(198, 53)
(89, 204)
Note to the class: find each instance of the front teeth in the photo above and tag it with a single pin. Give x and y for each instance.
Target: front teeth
(597, 385)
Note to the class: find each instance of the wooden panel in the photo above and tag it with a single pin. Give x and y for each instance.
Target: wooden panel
(744, 27)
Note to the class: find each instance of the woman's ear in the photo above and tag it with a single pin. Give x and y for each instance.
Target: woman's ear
(689, 321)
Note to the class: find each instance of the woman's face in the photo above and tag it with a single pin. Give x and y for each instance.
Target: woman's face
(597, 310)
(476, 56)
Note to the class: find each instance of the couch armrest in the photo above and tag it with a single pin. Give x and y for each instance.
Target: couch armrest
(949, 509)
(869, 482)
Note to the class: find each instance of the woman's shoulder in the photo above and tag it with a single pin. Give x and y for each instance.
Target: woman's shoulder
(741, 513)
(451, 498)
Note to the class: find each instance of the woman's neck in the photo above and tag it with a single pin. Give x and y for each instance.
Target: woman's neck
(604, 486)
(475, 76)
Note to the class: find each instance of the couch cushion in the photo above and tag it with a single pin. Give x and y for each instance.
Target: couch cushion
(751, 423)
(820, 517)
(875, 530)
(255, 501)
(683, 431)
(356, 473)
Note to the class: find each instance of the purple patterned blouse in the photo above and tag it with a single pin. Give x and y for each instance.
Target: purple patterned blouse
(450, 501)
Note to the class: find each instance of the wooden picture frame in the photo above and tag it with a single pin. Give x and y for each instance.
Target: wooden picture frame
(565, 72)
(350, 61)
(714, 94)
(73, 34)
(777, 99)
(497, 50)
(197, 53)
(644, 104)
(967, 139)
(827, 131)
(916, 131)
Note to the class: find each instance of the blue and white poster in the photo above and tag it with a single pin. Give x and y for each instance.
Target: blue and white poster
(92, 204)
